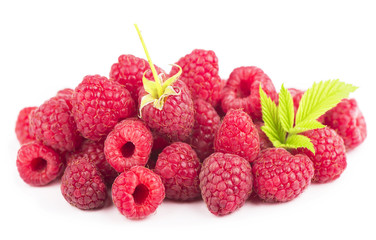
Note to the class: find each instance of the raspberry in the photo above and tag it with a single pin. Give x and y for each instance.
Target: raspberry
(128, 144)
(207, 123)
(22, 126)
(175, 121)
(242, 91)
(238, 135)
(348, 121)
(200, 73)
(82, 185)
(280, 176)
(179, 167)
(67, 95)
(225, 182)
(53, 125)
(330, 158)
(98, 104)
(129, 71)
(94, 152)
(138, 192)
(37, 164)
(264, 140)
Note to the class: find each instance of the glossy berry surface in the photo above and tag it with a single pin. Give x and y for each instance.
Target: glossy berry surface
(54, 126)
(128, 71)
(242, 91)
(179, 167)
(82, 185)
(37, 164)
(200, 74)
(176, 119)
(137, 193)
(280, 176)
(98, 105)
(94, 152)
(207, 123)
(329, 161)
(22, 126)
(348, 121)
(238, 135)
(225, 182)
(128, 144)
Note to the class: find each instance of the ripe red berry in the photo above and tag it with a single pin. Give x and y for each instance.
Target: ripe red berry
(129, 71)
(225, 182)
(348, 121)
(207, 123)
(200, 74)
(67, 95)
(37, 164)
(138, 192)
(82, 185)
(128, 144)
(238, 135)
(22, 126)
(53, 125)
(280, 176)
(329, 160)
(242, 91)
(94, 152)
(264, 140)
(98, 105)
(179, 167)
(175, 120)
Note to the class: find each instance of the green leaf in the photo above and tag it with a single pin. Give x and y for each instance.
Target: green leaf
(320, 98)
(305, 126)
(272, 128)
(286, 109)
(299, 141)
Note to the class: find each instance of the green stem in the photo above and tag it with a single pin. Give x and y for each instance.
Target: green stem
(155, 74)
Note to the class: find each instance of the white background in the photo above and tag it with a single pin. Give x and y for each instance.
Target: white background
(46, 46)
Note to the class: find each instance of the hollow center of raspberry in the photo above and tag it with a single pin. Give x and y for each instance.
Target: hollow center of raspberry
(140, 194)
(38, 164)
(244, 89)
(127, 149)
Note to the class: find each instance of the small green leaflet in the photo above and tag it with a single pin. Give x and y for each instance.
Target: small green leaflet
(280, 126)
(272, 128)
(286, 109)
(317, 100)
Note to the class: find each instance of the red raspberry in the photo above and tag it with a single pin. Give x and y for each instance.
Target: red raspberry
(225, 182)
(82, 185)
(238, 135)
(67, 95)
(330, 158)
(280, 176)
(94, 152)
(207, 123)
(159, 143)
(179, 167)
(264, 140)
(175, 121)
(200, 73)
(53, 124)
(128, 144)
(138, 192)
(348, 121)
(22, 126)
(37, 164)
(242, 91)
(129, 71)
(98, 105)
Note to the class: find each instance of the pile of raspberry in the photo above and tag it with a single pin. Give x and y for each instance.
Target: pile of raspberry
(206, 144)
